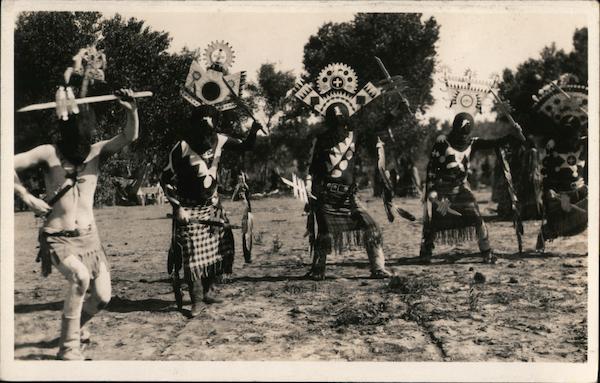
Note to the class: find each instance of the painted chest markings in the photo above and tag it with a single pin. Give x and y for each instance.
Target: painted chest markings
(339, 156)
(461, 159)
(200, 162)
(569, 160)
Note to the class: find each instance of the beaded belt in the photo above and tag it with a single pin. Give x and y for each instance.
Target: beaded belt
(339, 188)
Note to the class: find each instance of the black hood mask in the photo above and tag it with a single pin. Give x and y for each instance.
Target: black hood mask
(569, 131)
(77, 133)
(337, 116)
(204, 123)
(461, 130)
(336, 121)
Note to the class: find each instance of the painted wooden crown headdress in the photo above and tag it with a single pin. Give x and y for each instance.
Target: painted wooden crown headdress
(212, 85)
(336, 83)
(465, 93)
(562, 98)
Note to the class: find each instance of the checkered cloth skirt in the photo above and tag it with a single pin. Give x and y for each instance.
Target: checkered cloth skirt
(205, 250)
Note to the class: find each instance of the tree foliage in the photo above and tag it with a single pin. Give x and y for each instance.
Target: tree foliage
(270, 90)
(138, 58)
(286, 147)
(518, 86)
(404, 42)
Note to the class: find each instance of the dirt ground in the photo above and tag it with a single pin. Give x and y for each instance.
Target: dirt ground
(531, 307)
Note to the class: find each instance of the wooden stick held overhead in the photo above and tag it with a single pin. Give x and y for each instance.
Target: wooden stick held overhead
(83, 100)
(506, 112)
(241, 104)
(390, 81)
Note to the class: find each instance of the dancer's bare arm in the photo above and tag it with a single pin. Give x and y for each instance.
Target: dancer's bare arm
(132, 126)
(35, 157)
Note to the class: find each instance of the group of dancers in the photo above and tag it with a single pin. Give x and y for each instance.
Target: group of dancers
(202, 242)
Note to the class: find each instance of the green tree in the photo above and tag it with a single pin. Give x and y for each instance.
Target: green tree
(518, 86)
(138, 58)
(270, 92)
(404, 42)
(286, 123)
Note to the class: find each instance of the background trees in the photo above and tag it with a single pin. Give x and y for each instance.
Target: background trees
(518, 86)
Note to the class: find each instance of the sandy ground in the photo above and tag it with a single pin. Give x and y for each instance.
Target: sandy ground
(531, 307)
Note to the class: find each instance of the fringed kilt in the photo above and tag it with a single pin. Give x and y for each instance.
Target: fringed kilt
(56, 246)
(206, 251)
(342, 223)
(560, 223)
(451, 229)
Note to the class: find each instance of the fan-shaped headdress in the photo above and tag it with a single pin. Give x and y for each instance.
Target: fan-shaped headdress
(562, 98)
(336, 83)
(212, 85)
(466, 93)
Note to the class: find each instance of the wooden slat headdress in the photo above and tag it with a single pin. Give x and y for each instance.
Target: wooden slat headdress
(336, 83)
(562, 98)
(465, 93)
(205, 85)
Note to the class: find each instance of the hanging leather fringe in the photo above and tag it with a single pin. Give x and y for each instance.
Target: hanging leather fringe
(311, 231)
(207, 271)
(456, 236)
(355, 238)
(91, 259)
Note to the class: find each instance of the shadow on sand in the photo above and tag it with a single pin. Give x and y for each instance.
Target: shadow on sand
(124, 305)
(439, 259)
(37, 357)
(116, 304)
(33, 307)
(41, 344)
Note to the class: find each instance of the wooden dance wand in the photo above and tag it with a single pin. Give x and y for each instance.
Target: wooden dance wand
(83, 100)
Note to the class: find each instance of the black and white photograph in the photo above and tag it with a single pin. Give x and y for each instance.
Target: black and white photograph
(299, 190)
